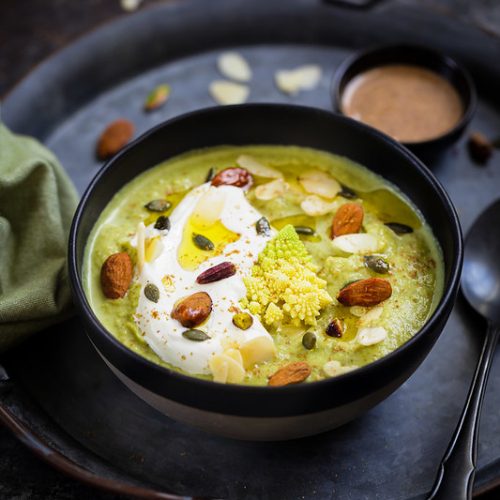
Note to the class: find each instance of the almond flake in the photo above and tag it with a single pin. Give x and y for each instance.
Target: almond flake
(152, 248)
(209, 208)
(320, 183)
(225, 92)
(358, 311)
(141, 240)
(315, 206)
(130, 5)
(257, 168)
(373, 314)
(301, 78)
(257, 350)
(371, 336)
(227, 367)
(271, 190)
(359, 243)
(233, 66)
(334, 368)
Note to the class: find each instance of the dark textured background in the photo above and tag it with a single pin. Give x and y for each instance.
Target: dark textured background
(30, 30)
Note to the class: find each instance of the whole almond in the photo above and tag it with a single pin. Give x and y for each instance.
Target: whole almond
(116, 275)
(347, 220)
(293, 373)
(114, 137)
(193, 310)
(365, 293)
(233, 176)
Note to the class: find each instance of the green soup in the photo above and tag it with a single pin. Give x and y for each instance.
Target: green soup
(344, 336)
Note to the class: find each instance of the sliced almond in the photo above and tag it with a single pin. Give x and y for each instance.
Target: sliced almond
(334, 368)
(209, 208)
(225, 92)
(152, 248)
(358, 244)
(371, 336)
(301, 78)
(234, 354)
(236, 372)
(358, 311)
(271, 190)
(232, 65)
(219, 366)
(257, 168)
(315, 206)
(141, 240)
(227, 367)
(320, 183)
(130, 5)
(257, 350)
(372, 315)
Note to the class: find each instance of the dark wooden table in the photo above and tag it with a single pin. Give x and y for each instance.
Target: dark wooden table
(30, 30)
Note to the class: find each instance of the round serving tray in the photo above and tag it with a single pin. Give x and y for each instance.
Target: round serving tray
(59, 397)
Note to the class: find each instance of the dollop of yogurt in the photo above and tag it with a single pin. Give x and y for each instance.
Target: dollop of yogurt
(163, 333)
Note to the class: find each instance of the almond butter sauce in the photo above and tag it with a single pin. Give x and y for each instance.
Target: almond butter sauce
(409, 103)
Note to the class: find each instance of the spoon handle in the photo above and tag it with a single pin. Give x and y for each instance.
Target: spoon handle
(458, 466)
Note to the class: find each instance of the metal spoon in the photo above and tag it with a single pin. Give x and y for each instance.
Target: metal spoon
(481, 287)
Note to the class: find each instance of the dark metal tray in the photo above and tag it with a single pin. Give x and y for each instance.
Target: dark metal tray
(67, 406)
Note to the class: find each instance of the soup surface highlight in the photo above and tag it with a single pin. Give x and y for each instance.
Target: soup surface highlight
(262, 265)
(409, 103)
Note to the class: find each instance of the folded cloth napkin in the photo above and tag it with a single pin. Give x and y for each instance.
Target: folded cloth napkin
(37, 201)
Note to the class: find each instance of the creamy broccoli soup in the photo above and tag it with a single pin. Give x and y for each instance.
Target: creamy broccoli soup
(263, 265)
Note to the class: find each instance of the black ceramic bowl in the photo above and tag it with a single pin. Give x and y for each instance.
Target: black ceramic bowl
(429, 150)
(268, 413)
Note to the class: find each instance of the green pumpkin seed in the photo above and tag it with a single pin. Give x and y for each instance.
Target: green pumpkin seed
(210, 174)
(377, 264)
(203, 243)
(309, 340)
(162, 223)
(263, 227)
(348, 193)
(243, 321)
(152, 292)
(195, 335)
(158, 205)
(399, 228)
(305, 230)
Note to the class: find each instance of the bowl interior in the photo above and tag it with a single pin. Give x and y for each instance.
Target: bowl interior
(282, 125)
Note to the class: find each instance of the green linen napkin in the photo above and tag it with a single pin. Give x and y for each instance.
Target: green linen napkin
(37, 201)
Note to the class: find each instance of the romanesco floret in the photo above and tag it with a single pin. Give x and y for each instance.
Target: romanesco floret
(284, 286)
(285, 245)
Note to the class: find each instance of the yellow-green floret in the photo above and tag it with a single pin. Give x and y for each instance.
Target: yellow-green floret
(284, 286)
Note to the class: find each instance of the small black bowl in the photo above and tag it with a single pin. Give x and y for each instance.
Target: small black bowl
(268, 413)
(430, 150)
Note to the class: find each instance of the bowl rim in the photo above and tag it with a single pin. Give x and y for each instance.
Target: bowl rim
(446, 301)
(446, 60)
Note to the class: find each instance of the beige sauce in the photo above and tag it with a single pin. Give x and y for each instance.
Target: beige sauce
(409, 103)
